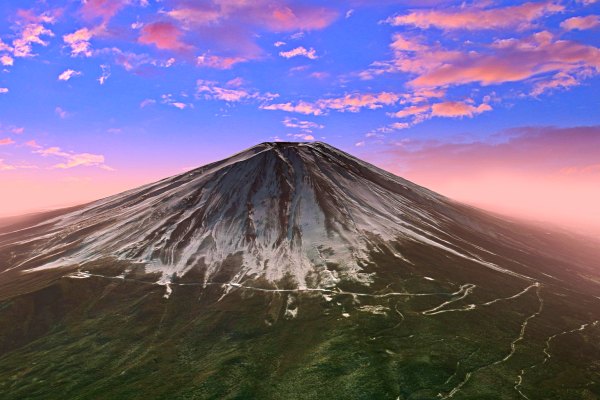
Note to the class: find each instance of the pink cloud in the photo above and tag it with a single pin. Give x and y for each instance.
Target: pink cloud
(306, 126)
(79, 41)
(6, 60)
(147, 102)
(443, 109)
(196, 14)
(300, 51)
(61, 113)
(163, 35)
(235, 93)
(6, 141)
(412, 111)
(400, 125)
(560, 80)
(354, 102)
(169, 100)
(105, 74)
(286, 18)
(229, 29)
(30, 34)
(72, 160)
(348, 103)
(320, 75)
(475, 18)
(586, 169)
(457, 109)
(32, 29)
(513, 60)
(507, 60)
(212, 91)
(6, 167)
(272, 15)
(217, 62)
(5, 47)
(302, 107)
(32, 144)
(102, 9)
(236, 82)
(47, 17)
(581, 23)
(68, 74)
(301, 136)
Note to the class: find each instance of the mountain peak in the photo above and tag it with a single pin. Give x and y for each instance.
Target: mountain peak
(296, 146)
(289, 249)
(283, 210)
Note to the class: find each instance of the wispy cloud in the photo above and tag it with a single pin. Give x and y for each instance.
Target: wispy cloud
(72, 160)
(4, 166)
(581, 23)
(228, 29)
(79, 42)
(506, 60)
(300, 51)
(458, 109)
(6, 60)
(306, 126)
(478, 18)
(218, 62)
(301, 136)
(61, 113)
(163, 35)
(68, 74)
(301, 107)
(102, 9)
(105, 74)
(147, 102)
(233, 93)
(169, 100)
(347, 103)
(32, 30)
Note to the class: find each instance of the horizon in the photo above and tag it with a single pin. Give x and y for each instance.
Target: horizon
(524, 219)
(97, 98)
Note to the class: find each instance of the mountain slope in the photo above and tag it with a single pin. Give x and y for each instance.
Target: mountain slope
(196, 287)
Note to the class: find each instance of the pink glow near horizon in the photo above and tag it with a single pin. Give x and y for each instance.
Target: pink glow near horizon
(564, 201)
(544, 175)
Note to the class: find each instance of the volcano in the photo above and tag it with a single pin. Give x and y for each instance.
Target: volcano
(294, 270)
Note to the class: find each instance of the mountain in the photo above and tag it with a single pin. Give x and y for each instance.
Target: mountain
(294, 270)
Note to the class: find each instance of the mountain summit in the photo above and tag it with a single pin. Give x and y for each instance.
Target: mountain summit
(198, 285)
(277, 211)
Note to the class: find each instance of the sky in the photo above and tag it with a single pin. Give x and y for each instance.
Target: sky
(494, 103)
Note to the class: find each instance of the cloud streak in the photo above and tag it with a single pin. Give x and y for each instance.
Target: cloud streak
(164, 36)
(581, 23)
(79, 42)
(505, 60)
(300, 51)
(348, 103)
(475, 18)
(68, 74)
(72, 160)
